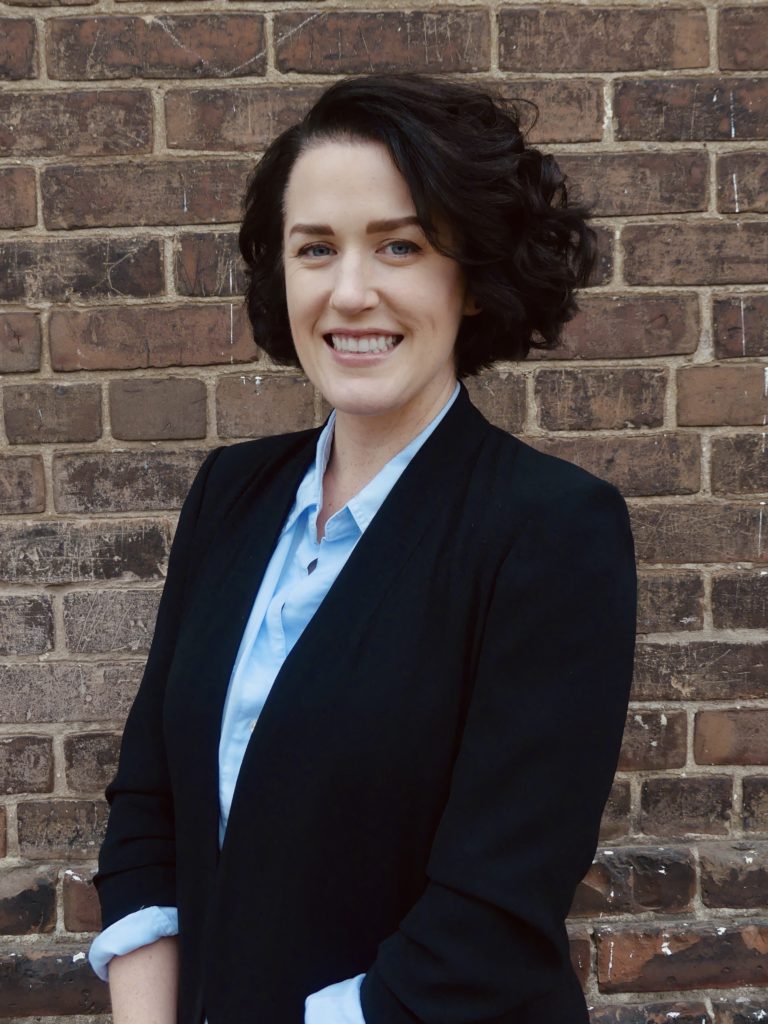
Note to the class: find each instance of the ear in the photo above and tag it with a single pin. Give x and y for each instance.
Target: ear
(471, 308)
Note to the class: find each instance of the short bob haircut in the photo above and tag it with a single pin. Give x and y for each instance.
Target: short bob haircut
(523, 246)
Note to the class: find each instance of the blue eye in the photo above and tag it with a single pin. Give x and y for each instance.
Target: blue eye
(308, 249)
(409, 247)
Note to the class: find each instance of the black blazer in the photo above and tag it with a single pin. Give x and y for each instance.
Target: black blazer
(422, 791)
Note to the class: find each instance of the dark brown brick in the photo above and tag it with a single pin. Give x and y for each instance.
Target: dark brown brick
(26, 624)
(742, 38)
(596, 399)
(615, 821)
(91, 760)
(49, 3)
(740, 600)
(106, 122)
(170, 46)
(735, 736)
(17, 48)
(700, 670)
(651, 1013)
(136, 337)
(570, 109)
(26, 764)
(741, 325)
(27, 901)
(729, 395)
(677, 806)
(88, 268)
(632, 880)
(18, 199)
(22, 485)
(740, 1010)
(696, 252)
(36, 980)
(500, 397)
(123, 481)
(645, 465)
(637, 958)
(734, 874)
(441, 40)
(20, 342)
(65, 692)
(670, 602)
(168, 409)
(61, 828)
(249, 405)
(742, 182)
(210, 264)
(3, 833)
(606, 245)
(688, 109)
(68, 551)
(740, 464)
(571, 38)
(82, 912)
(628, 184)
(580, 947)
(110, 620)
(144, 192)
(755, 803)
(45, 413)
(652, 740)
(700, 531)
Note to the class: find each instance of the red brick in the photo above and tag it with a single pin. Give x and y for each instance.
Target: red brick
(441, 40)
(82, 912)
(249, 405)
(49, 3)
(62, 268)
(105, 122)
(570, 109)
(22, 485)
(689, 109)
(741, 325)
(677, 806)
(628, 184)
(700, 670)
(500, 397)
(580, 947)
(135, 481)
(742, 182)
(652, 740)
(740, 1010)
(571, 38)
(170, 46)
(137, 337)
(740, 600)
(20, 342)
(740, 464)
(243, 119)
(595, 399)
(96, 621)
(651, 1013)
(35, 981)
(44, 413)
(61, 828)
(615, 820)
(144, 192)
(742, 38)
(637, 958)
(68, 551)
(734, 874)
(209, 263)
(18, 198)
(606, 245)
(670, 602)
(734, 736)
(168, 409)
(3, 833)
(17, 48)
(91, 760)
(27, 901)
(26, 624)
(647, 465)
(632, 880)
(696, 252)
(66, 692)
(755, 804)
(722, 395)
(26, 764)
(700, 531)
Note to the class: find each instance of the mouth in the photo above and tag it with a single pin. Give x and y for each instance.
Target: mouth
(369, 343)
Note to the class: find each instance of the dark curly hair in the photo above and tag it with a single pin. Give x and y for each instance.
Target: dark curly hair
(523, 246)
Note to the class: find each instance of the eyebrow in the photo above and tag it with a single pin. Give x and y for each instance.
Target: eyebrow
(373, 228)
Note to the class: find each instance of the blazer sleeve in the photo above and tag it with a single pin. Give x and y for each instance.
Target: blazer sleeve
(138, 855)
(534, 769)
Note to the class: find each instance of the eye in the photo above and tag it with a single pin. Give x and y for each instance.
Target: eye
(310, 250)
(405, 248)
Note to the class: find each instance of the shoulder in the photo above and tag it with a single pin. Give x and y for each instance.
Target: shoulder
(245, 458)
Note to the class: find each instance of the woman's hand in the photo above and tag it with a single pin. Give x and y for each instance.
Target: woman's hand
(143, 984)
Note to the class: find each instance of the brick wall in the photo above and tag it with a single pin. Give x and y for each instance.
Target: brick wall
(126, 132)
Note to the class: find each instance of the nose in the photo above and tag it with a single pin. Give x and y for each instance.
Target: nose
(353, 287)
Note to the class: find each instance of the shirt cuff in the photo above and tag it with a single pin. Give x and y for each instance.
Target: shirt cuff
(131, 932)
(336, 1004)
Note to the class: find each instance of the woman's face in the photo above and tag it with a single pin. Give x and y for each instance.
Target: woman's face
(374, 309)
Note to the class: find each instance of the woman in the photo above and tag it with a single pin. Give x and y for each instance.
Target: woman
(366, 765)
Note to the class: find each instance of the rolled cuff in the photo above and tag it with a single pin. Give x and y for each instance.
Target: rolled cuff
(140, 928)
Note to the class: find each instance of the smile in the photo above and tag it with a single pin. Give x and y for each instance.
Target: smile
(368, 343)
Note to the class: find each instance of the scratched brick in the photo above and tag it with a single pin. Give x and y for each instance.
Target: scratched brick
(17, 48)
(729, 395)
(91, 760)
(96, 621)
(593, 399)
(500, 397)
(734, 874)
(740, 463)
(669, 601)
(700, 252)
(66, 692)
(755, 803)
(742, 37)
(740, 326)
(18, 198)
(632, 880)
(164, 408)
(249, 405)
(210, 264)
(700, 670)
(700, 531)
(22, 484)
(676, 806)
(61, 828)
(653, 740)
(26, 764)
(20, 342)
(740, 600)
(41, 979)
(26, 624)
(733, 736)
(615, 820)
(27, 901)
(45, 413)
(82, 912)
(742, 182)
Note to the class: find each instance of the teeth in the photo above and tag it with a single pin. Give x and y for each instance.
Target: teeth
(371, 343)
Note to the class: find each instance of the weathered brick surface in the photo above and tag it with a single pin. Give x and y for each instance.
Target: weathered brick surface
(166, 409)
(17, 48)
(700, 670)
(615, 820)
(595, 399)
(669, 602)
(96, 621)
(35, 981)
(20, 342)
(742, 36)
(651, 1013)
(739, 464)
(3, 832)
(18, 199)
(500, 397)
(26, 764)
(737, 736)
(740, 600)
(652, 740)
(697, 252)
(91, 760)
(677, 805)
(81, 904)
(65, 692)
(22, 484)
(45, 413)
(27, 901)
(755, 803)
(734, 874)
(210, 264)
(580, 946)
(26, 624)
(251, 405)
(632, 880)
(61, 828)
(570, 109)
(740, 326)
(700, 531)
(742, 182)
(740, 1010)
(731, 395)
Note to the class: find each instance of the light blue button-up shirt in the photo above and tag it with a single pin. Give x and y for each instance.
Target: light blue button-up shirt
(299, 575)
